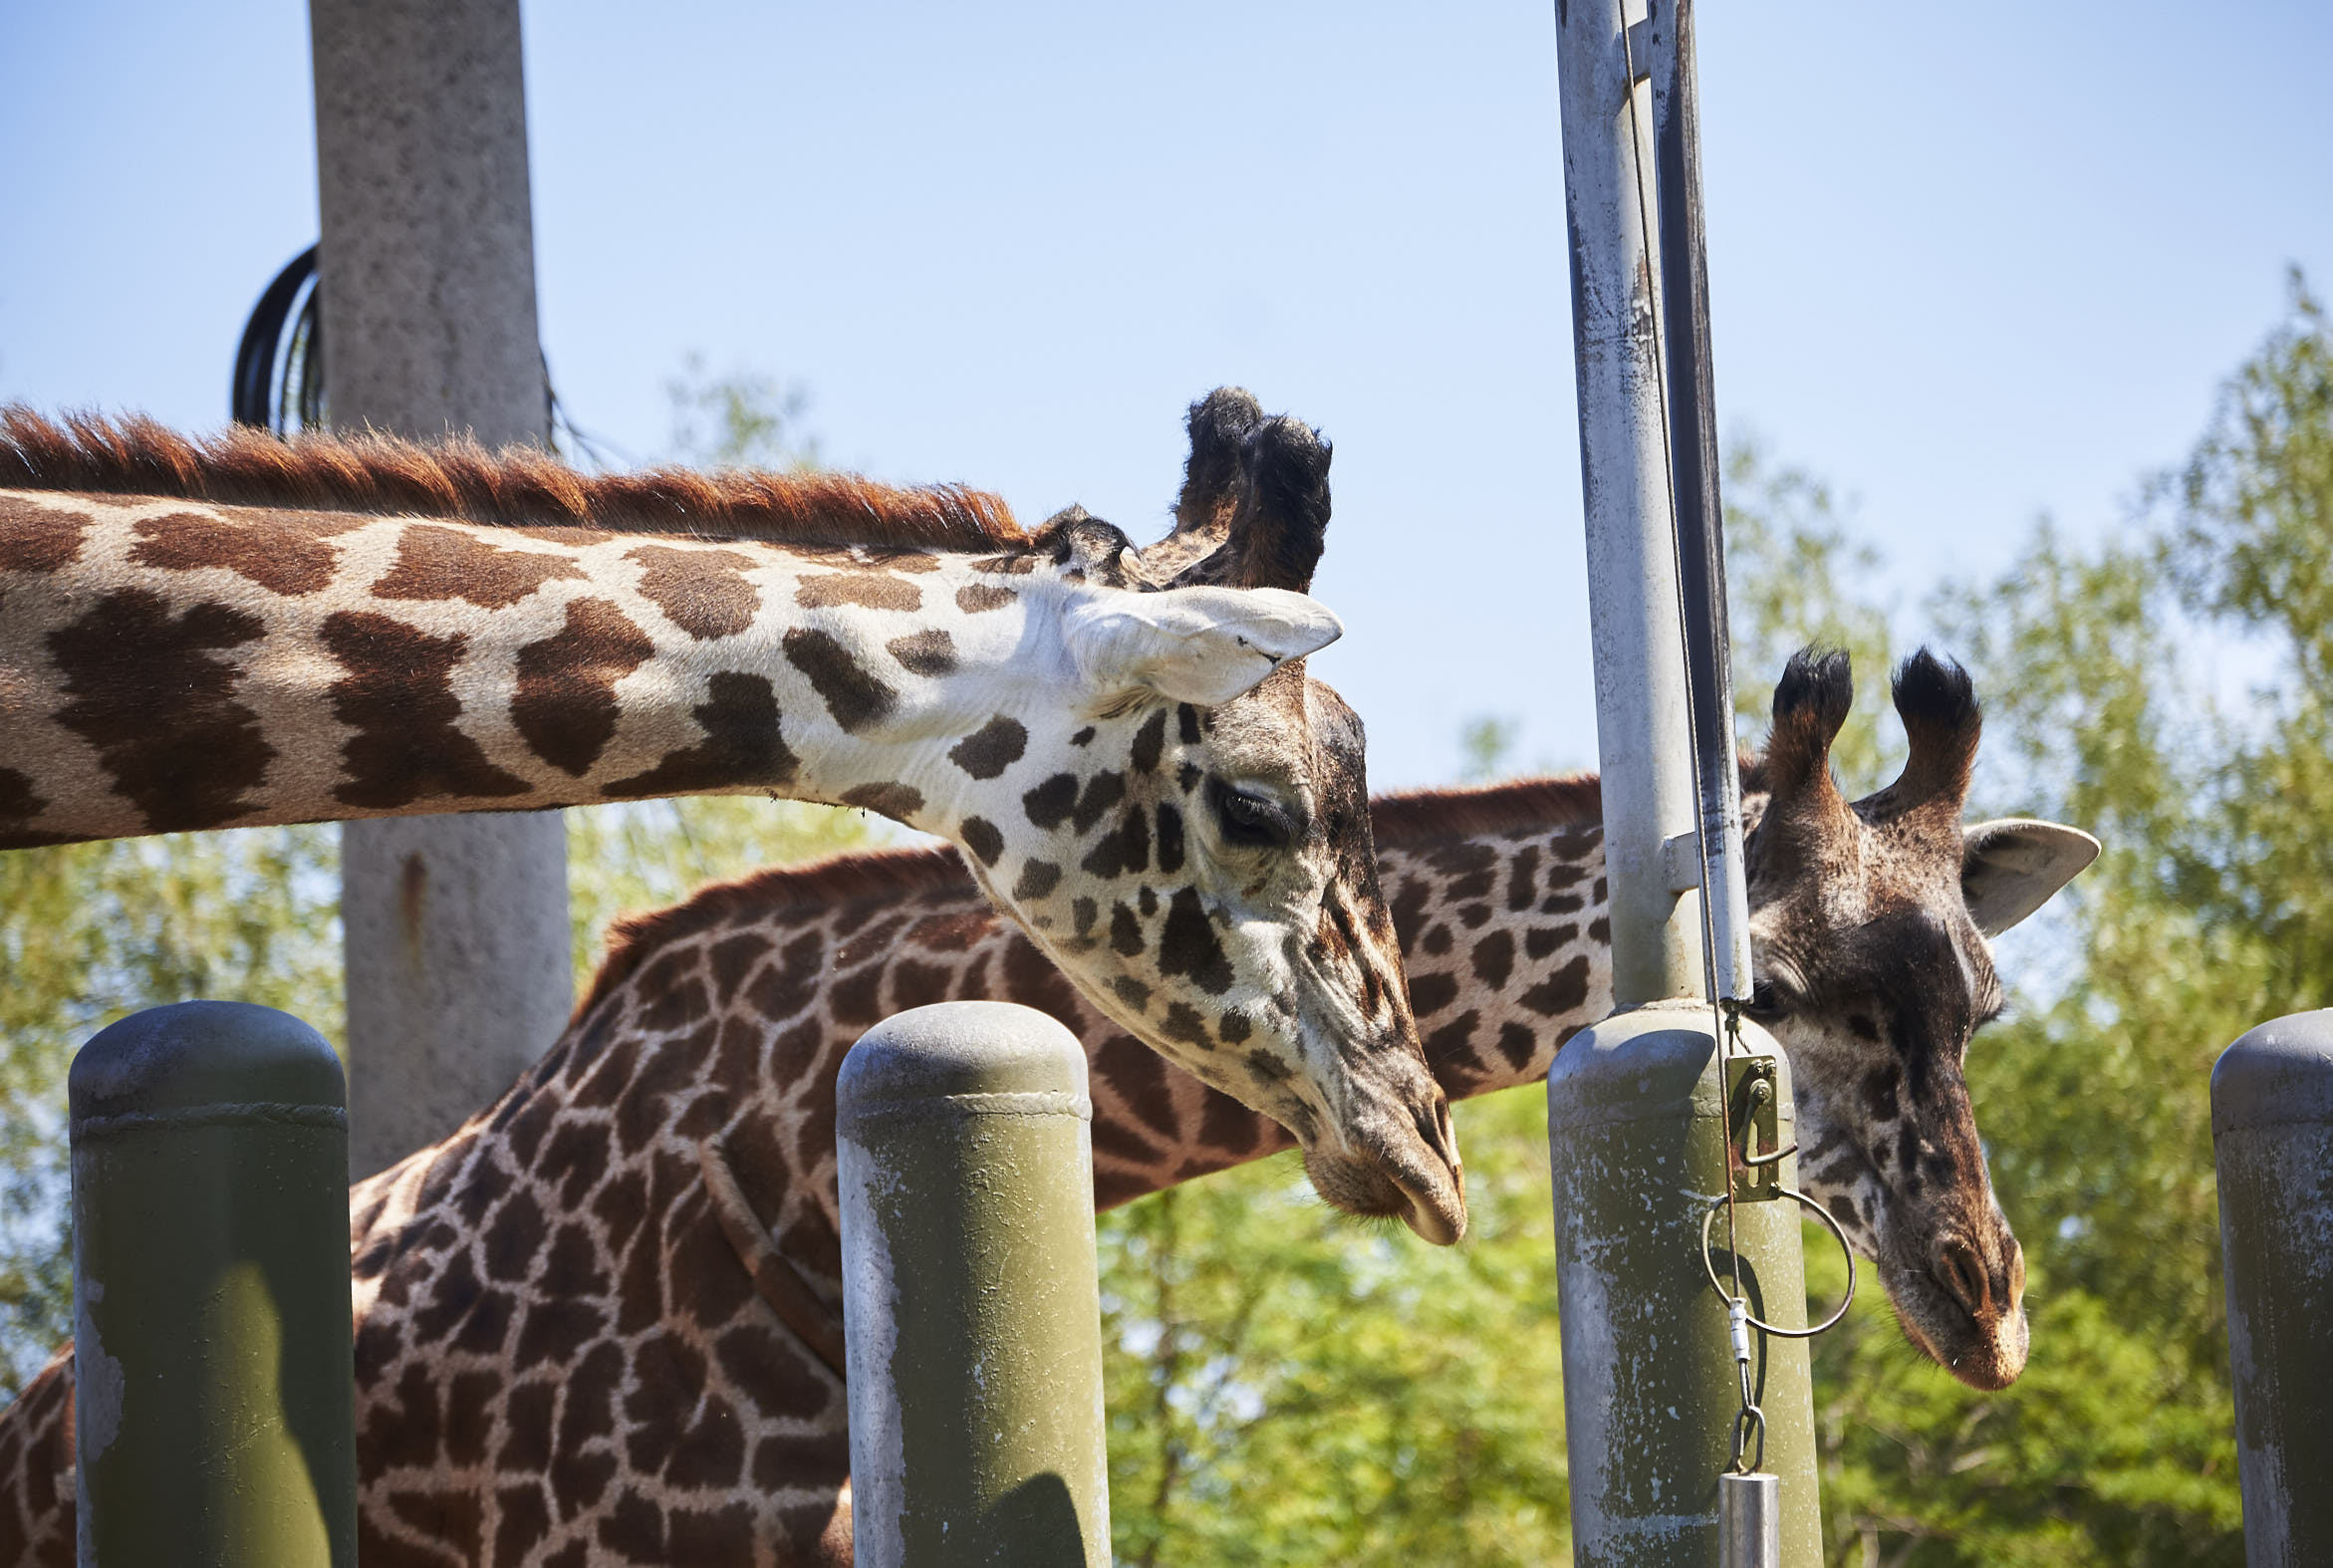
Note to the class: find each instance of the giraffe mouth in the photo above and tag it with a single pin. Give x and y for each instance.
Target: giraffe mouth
(1408, 1171)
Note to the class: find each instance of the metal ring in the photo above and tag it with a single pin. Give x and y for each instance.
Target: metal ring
(1759, 1323)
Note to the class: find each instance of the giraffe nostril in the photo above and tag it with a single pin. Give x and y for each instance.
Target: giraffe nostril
(1961, 1272)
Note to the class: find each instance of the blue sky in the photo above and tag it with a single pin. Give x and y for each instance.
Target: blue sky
(1971, 264)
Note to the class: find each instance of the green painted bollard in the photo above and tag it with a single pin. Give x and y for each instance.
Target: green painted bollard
(965, 1160)
(2272, 1140)
(1637, 1144)
(215, 1396)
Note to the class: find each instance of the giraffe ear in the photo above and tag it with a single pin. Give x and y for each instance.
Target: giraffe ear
(2011, 867)
(1194, 645)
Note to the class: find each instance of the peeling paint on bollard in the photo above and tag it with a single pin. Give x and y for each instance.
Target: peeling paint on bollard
(973, 1317)
(2272, 1140)
(215, 1398)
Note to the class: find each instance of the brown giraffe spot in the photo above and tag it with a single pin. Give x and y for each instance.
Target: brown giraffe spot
(526, 1427)
(1149, 741)
(1453, 1043)
(856, 998)
(902, 560)
(1145, 902)
(1102, 792)
(764, 1367)
(981, 838)
(38, 538)
(469, 1394)
(1133, 992)
(1600, 930)
(706, 592)
(1038, 878)
(454, 1518)
(1186, 723)
(1183, 1022)
(1083, 736)
(436, 563)
(872, 589)
(1540, 941)
(1436, 940)
(742, 744)
(150, 694)
(856, 696)
(1562, 903)
(288, 553)
(1138, 1075)
(973, 598)
(1431, 993)
(900, 802)
(1517, 1044)
(1188, 945)
(1008, 565)
(917, 984)
(789, 985)
(515, 1237)
(1116, 1140)
(1188, 776)
(1232, 1128)
(19, 803)
(1494, 958)
(1474, 916)
(1124, 849)
(1233, 1028)
(1169, 839)
(1879, 1092)
(930, 651)
(956, 931)
(566, 706)
(1034, 980)
(526, 1519)
(1523, 878)
(1049, 804)
(1125, 933)
(398, 698)
(990, 750)
(1561, 991)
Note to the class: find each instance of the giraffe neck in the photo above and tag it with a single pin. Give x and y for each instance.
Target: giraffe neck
(168, 665)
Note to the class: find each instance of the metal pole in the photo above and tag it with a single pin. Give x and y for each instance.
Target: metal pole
(1637, 1104)
(969, 1298)
(215, 1401)
(456, 927)
(2272, 1140)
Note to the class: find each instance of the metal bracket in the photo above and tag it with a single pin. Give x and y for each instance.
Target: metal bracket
(1680, 861)
(1755, 1159)
(1640, 50)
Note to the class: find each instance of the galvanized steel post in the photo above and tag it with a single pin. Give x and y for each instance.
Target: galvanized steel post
(965, 1163)
(215, 1395)
(2272, 1140)
(1636, 1120)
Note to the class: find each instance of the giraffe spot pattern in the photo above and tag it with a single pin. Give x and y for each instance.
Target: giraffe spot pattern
(989, 750)
(287, 553)
(1048, 804)
(565, 707)
(150, 691)
(1149, 741)
(930, 653)
(1188, 945)
(870, 589)
(1038, 878)
(900, 802)
(743, 744)
(397, 695)
(39, 538)
(981, 838)
(435, 563)
(856, 696)
(706, 592)
(974, 598)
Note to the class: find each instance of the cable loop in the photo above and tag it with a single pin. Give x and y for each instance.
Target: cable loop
(1733, 1302)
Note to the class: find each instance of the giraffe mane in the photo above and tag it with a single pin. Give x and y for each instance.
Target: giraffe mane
(1414, 816)
(518, 486)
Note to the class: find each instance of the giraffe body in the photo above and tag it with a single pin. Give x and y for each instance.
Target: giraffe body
(1133, 758)
(601, 1323)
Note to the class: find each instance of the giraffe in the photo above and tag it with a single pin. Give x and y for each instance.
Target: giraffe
(248, 630)
(601, 1323)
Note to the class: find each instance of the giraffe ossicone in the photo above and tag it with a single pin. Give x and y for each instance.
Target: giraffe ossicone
(245, 631)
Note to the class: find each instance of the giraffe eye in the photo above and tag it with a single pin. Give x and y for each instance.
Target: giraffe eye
(1247, 819)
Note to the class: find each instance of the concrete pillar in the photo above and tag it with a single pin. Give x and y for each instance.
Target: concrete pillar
(457, 950)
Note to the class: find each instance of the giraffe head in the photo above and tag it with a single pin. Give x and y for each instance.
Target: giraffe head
(1202, 864)
(1870, 930)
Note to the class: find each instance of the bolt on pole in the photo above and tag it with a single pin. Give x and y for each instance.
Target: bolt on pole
(1638, 1105)
(214, 1390)
(2272, 1140)
(970, 1307)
